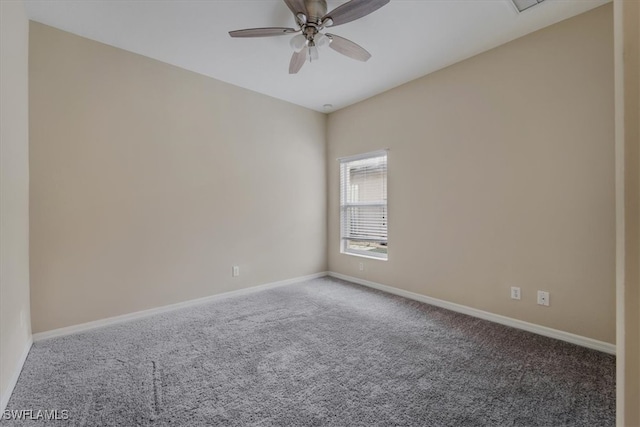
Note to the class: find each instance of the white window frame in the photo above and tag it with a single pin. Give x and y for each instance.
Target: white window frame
(344, 247)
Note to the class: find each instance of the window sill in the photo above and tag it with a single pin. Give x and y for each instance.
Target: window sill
(365, 256)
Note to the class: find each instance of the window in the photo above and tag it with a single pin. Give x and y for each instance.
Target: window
(363, 205)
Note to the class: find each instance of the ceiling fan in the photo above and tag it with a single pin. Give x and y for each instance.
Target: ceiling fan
(312, 18)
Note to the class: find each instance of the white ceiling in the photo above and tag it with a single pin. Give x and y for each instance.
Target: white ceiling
(407, 38)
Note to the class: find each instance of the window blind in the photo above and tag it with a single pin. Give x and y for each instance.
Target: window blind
(363, 204)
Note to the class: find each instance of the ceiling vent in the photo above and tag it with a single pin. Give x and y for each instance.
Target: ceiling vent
(523, 5)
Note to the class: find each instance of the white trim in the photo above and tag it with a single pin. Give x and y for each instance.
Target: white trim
(364, 254)
(619, 144)
(146, 313)
(377, 153)
(6, 394)
(503, 320)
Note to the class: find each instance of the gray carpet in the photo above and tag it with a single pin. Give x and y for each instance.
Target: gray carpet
(322, 352)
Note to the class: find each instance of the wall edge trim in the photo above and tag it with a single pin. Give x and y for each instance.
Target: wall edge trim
(6, 394)
(496, 318)
(123, 318)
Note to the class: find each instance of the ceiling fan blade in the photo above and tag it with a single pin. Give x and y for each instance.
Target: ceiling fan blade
(348, 48)
(297, 6)
(262, 32)
(297, 60)
(352, 10)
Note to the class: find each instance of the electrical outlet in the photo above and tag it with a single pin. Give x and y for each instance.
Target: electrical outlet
(543, 298)
(235, 271)
(361, 266)
(515, 292)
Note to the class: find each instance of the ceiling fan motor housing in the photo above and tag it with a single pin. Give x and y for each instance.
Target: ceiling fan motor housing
(316, 9)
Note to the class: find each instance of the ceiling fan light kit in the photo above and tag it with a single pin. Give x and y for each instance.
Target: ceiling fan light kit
(311, 17)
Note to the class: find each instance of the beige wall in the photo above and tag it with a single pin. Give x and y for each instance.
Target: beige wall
(627, 43)
(149, 182)
(15, 329)
(501, 173)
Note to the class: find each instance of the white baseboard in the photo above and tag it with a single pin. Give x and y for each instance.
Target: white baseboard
(503, 320)
(146, 313)
(6, 394)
